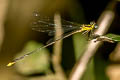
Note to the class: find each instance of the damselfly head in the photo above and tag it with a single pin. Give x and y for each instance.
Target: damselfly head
(95, 25)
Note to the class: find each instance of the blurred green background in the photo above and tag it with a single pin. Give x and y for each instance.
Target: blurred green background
(17, 38)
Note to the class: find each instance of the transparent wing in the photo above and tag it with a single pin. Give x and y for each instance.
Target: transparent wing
(46, 24)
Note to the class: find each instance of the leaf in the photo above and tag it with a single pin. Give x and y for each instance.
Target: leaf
(39, 62)
(113, 37)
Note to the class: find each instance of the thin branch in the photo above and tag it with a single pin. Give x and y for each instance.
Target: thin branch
(3, 9)
(58, 48)
(115, 55)
(97, 37)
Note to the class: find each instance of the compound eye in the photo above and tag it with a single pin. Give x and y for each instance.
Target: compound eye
(92, 22)
(96, 26)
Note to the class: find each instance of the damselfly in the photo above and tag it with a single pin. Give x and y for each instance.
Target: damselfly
(46, 24)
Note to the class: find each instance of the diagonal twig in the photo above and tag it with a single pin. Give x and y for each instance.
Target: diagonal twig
(104, 23)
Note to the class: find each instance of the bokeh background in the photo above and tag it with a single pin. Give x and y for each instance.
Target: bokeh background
(17, 38)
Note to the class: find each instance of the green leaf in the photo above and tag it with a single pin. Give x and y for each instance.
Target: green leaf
(113, 37)
(39, 62)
